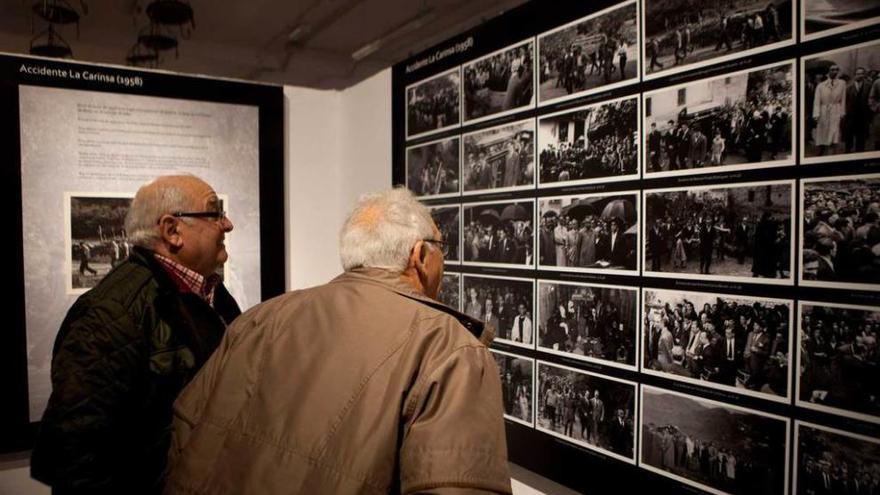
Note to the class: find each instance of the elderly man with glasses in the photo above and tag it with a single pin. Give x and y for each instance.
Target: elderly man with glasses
(128, 346)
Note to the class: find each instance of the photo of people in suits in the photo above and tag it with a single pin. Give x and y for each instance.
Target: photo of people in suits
(500, 83)
(517, 375)
(835, 462)
(505, 303)
(500, 158)
(434, 104)
(432, 169)
(499, 233)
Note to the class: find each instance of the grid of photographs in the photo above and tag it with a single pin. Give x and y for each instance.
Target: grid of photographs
(673, 204)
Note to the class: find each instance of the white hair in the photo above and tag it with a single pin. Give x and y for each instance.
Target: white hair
(154, 199)
(381, 230)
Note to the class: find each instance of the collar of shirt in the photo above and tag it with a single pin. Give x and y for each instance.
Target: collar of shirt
(188, 280)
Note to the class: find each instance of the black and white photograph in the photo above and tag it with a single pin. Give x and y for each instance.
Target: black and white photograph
(96, 239)
(505, 303)
(448, 220)
(596, 53)
(517, 375)
(721, 341)
(831, 461)
(432, 169)
(500, 83)
(499, 233)
(593, 233)
(500, 158)
(591, 144)
(738, 232)
(434, 104)
(713, 446)
(838, 360)
(450, 290)
(594, 411)
(820, 18)
(591, 322)
(840, 104)
(685, 34)
(840, 246)
(741, 120)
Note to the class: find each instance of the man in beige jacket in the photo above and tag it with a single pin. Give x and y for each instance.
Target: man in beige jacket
(363, 385)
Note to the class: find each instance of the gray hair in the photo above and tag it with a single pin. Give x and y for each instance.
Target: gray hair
(163, 195)
(381, 230)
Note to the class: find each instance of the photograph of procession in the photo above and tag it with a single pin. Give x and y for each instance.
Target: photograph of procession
(500, 158)
(723, 341)
(840, 245)
(588, 321)
(821, 18)
(834, 462)
(499, 83)
(593, 233)
(840, 104)
(736, 121)
(596, 53)
(684, 34)
(432, 169)
(96, 239)
(434, 105)
(499, 233)
(713, 446)
(448, 220)
(596, 143)
(838, 360)
(738, 232)
(505, 303)
(450, 290)
(593, 411)
(517, 375)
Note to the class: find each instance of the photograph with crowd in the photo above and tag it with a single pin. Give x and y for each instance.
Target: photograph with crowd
(733, 342)
(588, 409)
(593, 232)
(434, 104)
(517, 377)
(500, 157)
(824, 17)
(505, 303)
(594, 143)
(502, 82)
(432, 169)
(740, 230)
(679, 33)
(499, 233)
(841, 231)
(448, 219)
(740, 119)
(590, 53)
(841, 98)
(450, 291)
(835, 462)
(590, 321)
(712, 445)
(98, 240)
(839, 362)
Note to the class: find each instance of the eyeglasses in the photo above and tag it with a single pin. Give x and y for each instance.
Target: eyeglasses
(444, 246)
(217, 216)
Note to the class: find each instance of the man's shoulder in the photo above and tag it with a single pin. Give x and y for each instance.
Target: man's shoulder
(124, 285)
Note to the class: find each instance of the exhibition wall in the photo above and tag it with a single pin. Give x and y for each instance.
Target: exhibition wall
(669, 211)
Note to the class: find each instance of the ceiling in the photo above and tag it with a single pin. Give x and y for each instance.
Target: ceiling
(301, 43)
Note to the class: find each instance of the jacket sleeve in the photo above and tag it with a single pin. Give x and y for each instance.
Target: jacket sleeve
(454, 439)
(98, 358)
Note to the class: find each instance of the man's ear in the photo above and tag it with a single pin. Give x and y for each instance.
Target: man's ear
(168, 230)
(417, 257)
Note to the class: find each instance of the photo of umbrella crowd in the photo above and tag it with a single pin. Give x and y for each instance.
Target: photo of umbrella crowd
(587, 409)
(98, 241)
(517, 376)
(728, 342)
(839, 359)
(831, 461)
(500, 83)
(448, 222)
(590, 54)
(711, 445)
(821, 17)
(679, 33)
(589, 232)
(499, 233)
(504, 303)
(740, 119)
(450, 291)
(500, 158)
(725, 231)
(841, 113)
(598, 142)
(432, 169)
(434, 104)
(841, 232)
(595, 322)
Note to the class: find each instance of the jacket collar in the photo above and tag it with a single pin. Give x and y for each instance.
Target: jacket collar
(391, 281)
